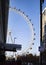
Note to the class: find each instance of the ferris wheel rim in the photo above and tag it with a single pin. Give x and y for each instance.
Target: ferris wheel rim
(26, 18)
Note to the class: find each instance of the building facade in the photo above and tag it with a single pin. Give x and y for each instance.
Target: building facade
(44, 27)
(44, 36)
(4, 7)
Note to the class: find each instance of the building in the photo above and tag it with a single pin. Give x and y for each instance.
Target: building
(44, 35)
(4, 7)
(44, 27)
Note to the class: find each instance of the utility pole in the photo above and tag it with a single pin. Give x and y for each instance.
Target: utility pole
(41, 2)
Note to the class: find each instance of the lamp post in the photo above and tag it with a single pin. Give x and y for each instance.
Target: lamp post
(41, 2)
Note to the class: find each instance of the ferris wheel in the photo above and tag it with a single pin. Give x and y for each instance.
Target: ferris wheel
(28, 21)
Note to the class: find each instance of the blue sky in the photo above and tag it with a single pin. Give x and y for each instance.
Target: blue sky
(18, 26)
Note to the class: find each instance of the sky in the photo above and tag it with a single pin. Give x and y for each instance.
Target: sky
(19, 27)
